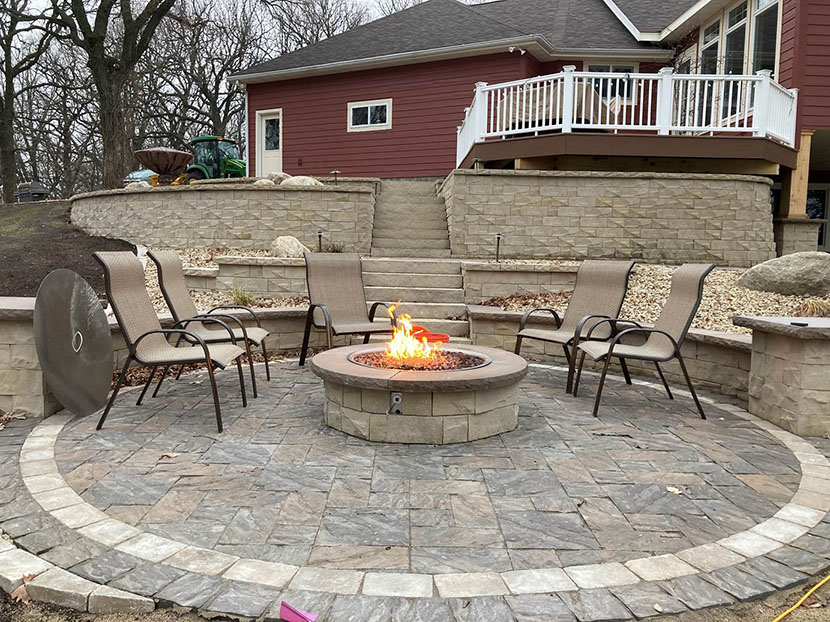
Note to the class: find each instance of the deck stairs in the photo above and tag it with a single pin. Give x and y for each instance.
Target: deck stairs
(410, 220)
(429, 289)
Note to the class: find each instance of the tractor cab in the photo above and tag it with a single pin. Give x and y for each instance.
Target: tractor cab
(215, 157)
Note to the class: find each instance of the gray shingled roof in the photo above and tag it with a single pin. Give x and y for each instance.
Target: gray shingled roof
(435, 24)
(653, 15)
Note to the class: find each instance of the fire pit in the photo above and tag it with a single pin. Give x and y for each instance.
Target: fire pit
(411, 390)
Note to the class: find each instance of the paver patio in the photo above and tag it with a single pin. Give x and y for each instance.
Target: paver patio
(646, 510)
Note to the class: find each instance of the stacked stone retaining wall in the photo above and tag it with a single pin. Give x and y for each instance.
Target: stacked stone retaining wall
(655, 217)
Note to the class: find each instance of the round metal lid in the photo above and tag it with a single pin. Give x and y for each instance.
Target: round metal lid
(73, 341)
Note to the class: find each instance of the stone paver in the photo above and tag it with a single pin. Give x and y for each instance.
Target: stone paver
(645, 511)
(56, 586)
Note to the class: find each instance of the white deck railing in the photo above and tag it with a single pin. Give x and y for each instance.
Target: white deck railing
(664, 103)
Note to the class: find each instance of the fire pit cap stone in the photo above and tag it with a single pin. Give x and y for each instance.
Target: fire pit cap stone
(504, 369)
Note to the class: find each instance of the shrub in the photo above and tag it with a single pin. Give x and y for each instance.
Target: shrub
(815, 307)
(241, 297)
(334, 247)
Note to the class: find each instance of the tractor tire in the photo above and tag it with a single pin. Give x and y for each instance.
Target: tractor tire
(193, 175)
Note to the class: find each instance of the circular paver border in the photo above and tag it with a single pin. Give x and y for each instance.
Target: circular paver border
(806, 509)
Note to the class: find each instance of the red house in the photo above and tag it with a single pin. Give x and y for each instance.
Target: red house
(669, 85)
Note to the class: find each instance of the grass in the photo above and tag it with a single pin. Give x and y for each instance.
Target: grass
(241, 297)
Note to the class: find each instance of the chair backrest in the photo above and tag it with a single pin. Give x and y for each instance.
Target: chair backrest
(124, 280)
(681, 306)
(336, 281)
(599, 290)
(173, 287)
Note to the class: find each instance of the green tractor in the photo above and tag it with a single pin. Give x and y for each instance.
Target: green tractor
(214, 157)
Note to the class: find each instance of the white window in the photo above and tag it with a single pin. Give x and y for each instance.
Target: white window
(765, 37)
(613, 88)
(371, 115)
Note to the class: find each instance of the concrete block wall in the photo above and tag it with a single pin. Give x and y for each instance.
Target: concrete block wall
(483, 281)
(656, 217)
(237, 216)
(717, 362)
(795, 235)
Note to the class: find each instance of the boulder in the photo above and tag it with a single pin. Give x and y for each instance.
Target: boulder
(288, 246)
(798, 274)
(300, 181)
(263, 182)
(278, 177)
(137, 185)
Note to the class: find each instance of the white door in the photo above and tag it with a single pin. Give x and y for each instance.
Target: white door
(270, 143)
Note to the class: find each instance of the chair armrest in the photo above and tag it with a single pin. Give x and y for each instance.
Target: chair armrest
(389, 308)
(324, 309)
(642, 329)
(224, 316)
(530, 312)
(204, 319)
(613, 321)
(241, 307)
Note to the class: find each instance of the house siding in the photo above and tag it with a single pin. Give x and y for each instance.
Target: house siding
(428, 101)
(805, 45)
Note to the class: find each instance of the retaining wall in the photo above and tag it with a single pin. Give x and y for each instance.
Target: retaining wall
(655, 217)
(233, 215)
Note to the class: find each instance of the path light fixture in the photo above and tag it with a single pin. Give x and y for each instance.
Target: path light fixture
(335, 173)
(319, 241)
(499, 236)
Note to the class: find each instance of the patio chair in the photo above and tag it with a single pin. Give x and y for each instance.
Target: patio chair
(663, 340)
(337, 300)
(147, 342)
(177, 296)
(598, 294)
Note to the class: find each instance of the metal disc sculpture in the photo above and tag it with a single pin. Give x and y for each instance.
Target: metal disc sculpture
(73, 341)
(168, 163)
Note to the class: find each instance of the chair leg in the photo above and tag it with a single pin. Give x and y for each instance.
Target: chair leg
(265, 355)
(118, 384)
(242, 382)
(306, 336)
(578, 372)
(624, 367)
(518, 348)
(663, 378)
(366, 337)
(571, 358)
(601, 383)
(163, 376)
(181, 369)
(251, 365)
(215, 395)
(691, 388)
(146, 385)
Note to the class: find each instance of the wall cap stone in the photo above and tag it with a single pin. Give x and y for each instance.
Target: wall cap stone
(818, 327)
(14, 308)
(540, 266)
(255, 260)
(221, 188)
(612, 175)
(738, 341)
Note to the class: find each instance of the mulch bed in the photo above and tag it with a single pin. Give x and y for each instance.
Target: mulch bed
(36, 239)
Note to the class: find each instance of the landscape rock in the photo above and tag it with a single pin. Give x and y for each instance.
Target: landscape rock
(278, 177)
(798, 274)
(288, 246)
(264, 182)
(137, 185)
(301, 181)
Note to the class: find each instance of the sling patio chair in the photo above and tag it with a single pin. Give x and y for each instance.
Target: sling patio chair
(175, 292)
(662, 341)
(598, 294)
(147, 341)
(337, 300)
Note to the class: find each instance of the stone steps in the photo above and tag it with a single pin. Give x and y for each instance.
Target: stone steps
(392, 234)
(435, 253)
(410, 243)
(424, 311)
(419, 265)
(410, 219)
(397, 279)
(415, 294)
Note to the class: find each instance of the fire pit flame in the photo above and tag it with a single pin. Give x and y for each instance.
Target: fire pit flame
(404, 347)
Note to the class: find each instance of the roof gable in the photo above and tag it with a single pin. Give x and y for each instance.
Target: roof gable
(653, 15)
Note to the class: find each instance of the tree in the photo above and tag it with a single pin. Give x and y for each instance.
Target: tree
(303, 22)
(23, 40)
(114, 42)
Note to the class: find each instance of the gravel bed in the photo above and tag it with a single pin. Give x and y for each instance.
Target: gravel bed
(649, 287)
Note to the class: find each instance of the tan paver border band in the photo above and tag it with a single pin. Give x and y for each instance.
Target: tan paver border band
(806, 509)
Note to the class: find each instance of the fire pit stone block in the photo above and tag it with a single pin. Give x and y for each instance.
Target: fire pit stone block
(437, 407)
